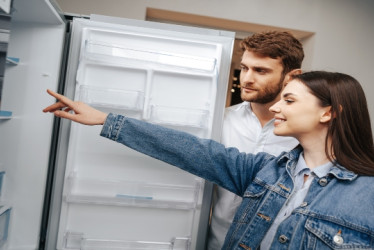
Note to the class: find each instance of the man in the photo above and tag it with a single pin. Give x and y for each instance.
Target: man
(268, 62)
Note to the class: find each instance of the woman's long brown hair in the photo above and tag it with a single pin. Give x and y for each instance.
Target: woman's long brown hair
(350, 128)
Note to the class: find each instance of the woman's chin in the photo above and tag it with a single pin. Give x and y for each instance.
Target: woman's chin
(279, 132)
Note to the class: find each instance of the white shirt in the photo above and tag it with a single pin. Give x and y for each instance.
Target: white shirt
(241, 129)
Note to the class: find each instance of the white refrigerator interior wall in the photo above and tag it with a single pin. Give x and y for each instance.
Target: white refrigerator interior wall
(343, 28)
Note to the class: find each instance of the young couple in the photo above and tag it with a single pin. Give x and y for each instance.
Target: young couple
(318, 195)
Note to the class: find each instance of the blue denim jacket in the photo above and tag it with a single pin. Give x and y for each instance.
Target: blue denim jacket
(337, 213)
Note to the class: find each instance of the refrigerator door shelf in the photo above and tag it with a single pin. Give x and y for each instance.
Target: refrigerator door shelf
(5, 212)
(179, 117)
(75, 240)
(128, 193)
(123, 55)
(111, 98)
(111, 75)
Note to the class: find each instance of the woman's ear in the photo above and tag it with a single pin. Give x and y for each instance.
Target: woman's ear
(326, 115)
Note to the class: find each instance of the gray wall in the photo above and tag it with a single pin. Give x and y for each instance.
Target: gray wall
(344, 33)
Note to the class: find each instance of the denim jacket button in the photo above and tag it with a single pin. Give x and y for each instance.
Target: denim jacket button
(283, 238)
(338, 239)
(323, 182)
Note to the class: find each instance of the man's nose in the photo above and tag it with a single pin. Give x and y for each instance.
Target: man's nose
(246, 77)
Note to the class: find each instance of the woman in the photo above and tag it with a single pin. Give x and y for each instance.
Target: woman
(318, 196)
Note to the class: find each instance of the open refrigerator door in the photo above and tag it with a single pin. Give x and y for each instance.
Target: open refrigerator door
(111, 197)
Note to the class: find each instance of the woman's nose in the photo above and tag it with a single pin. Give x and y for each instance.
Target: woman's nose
(274, 109)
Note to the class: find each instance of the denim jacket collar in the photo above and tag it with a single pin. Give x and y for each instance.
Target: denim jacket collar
(337, 170)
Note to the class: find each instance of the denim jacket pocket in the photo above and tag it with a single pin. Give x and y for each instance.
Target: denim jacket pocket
(251, 199)
(326, 235)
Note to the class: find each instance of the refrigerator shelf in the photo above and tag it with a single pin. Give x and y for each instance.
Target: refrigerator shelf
(111, 98)
(74, 240)
(5, 114)
(122, 54)
(121, 193)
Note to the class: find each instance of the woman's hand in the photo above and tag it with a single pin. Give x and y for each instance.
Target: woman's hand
(82, 113)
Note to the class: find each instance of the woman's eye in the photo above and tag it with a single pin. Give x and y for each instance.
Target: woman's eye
(288, 101)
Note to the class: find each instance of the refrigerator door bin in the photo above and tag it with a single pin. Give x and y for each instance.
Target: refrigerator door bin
(4, 224)
(125, 223)
(126, 193)
(78, 241)
(179, 117)
(117, 99)
(107, 74)
(121, 54)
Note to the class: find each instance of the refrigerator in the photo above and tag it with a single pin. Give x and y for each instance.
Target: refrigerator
(65, 187)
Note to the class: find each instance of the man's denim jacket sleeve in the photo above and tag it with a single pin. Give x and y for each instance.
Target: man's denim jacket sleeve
(205, 158)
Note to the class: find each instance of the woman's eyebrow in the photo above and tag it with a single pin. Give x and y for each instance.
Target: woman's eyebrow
(287, 94)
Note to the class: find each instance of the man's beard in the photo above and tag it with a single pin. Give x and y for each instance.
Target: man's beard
(266, 95)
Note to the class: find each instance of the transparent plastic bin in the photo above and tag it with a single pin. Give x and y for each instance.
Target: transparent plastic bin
(175, 116)
(4, 224)
(123, 193)
(111, 98)
(73, 240)
(99, 50)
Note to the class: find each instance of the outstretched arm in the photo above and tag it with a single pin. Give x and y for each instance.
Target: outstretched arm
(82, 113)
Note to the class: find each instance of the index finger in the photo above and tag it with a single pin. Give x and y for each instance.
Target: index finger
(61, 98)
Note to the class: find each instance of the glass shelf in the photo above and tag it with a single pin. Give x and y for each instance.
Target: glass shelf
(111, 98)
(4, 115)
(126, 193)
(12, 60)
(74, 240)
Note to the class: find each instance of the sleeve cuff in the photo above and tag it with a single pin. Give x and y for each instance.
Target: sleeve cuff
(112, 126)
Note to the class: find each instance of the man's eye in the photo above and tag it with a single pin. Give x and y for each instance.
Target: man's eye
(262, 71)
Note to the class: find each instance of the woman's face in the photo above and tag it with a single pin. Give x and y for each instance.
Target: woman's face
(299, 113)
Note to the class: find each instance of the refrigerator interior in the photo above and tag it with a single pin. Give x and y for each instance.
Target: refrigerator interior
(35, 47)
(111, 197)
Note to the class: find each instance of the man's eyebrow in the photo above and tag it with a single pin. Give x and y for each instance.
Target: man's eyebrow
(257, 67)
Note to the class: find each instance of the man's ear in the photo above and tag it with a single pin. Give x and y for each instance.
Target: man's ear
(326, 115)
(289, 75)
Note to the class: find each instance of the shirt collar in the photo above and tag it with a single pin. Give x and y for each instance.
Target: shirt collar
(300, 166)
(245, 105)
(322, 170)
(248, 107)
(335, 169)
